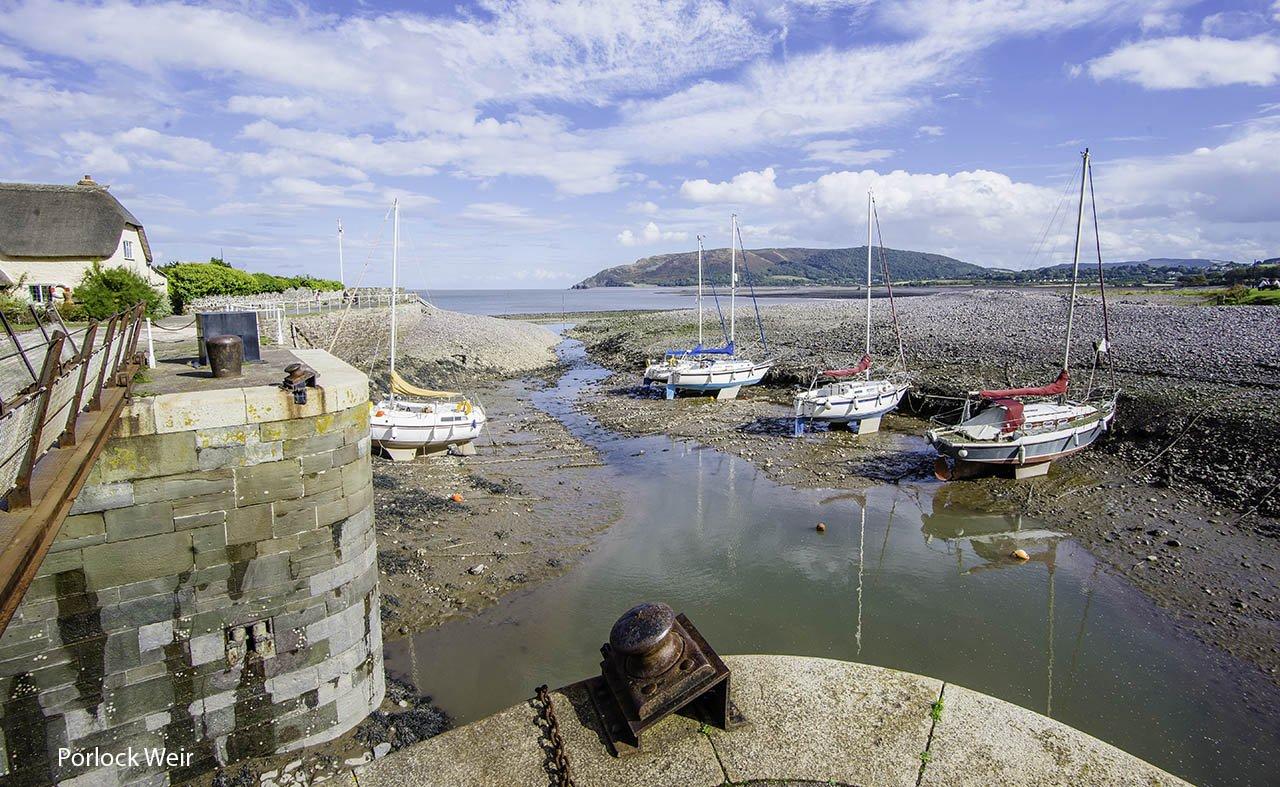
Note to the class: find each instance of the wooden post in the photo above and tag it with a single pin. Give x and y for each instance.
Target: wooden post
(96, 402)
(68, 437)
(20, 497)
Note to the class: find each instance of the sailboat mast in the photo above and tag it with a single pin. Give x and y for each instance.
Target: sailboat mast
(341, 276)
(1075, 263)
(868, 348)
(699, 290)
(733, 277)
(395, 280)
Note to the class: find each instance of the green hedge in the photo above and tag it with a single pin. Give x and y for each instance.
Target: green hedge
(191, 280)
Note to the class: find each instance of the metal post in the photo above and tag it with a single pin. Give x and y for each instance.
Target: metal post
(31, 307)
(21, 351)
(20, 497)
(1075, 263)
(151, 347)
(63, 326)
(68, 437)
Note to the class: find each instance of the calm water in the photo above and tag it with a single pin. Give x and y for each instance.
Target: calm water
(605, 299)
(901, 579)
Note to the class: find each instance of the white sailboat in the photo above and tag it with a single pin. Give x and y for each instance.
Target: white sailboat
(720, 370)
(1027, 428)
(660, 371)
(838, 396)
(416, 420)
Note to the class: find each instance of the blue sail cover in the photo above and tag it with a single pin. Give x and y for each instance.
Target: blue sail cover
(727, 349)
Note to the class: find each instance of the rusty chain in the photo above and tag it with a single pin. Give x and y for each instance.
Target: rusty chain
(557, 764)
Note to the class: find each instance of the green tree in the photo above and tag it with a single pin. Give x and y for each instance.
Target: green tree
(106, 291)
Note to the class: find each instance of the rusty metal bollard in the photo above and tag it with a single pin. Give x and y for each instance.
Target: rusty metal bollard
(656, 664)
(226, 355)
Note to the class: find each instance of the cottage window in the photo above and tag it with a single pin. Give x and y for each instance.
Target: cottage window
(128, 250)
(41, 293)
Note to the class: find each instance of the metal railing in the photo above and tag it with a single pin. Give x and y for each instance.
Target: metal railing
(323, 302)
(65, 373)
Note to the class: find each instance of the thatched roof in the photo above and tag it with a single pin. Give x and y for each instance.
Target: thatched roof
(83, 221)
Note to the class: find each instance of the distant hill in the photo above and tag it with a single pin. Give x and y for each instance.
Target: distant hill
(785, 267)
(844, 267)
(1155, 263)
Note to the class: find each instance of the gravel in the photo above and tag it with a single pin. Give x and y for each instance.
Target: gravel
(1200, 381)
(434, 347)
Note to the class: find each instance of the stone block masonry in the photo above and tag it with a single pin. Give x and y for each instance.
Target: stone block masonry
(213, 594)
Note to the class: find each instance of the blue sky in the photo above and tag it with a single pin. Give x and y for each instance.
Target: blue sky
(533, 143)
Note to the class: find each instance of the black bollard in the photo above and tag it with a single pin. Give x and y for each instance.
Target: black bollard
(226, 355)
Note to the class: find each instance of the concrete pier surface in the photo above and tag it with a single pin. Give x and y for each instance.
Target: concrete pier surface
(809, 721)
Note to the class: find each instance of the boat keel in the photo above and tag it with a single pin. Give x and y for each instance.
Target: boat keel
(401, 454)
(869, 425)
(1031, 471)
(728, 393)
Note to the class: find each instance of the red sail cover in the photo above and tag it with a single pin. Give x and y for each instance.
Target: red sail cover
(862, 366)
(1013, 416)
(1058, 386)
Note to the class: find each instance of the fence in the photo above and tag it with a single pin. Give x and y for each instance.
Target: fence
(321, 302)
(65, 374)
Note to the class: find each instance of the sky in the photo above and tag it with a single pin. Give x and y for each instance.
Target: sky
(531, 143)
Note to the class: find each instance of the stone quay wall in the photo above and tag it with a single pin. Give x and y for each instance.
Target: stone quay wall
(213, 595)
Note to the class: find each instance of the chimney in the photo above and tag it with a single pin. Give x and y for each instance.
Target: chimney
(87, 180)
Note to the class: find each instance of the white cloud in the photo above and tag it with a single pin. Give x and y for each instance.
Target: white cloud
(541, 274)
(283, 108)
(650, 233)
(507, 215)
(844, 151)
(1210, 202)
(747, 188)
(1186, 62)
(930, 131)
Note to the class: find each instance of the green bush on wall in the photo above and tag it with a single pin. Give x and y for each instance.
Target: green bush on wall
(191, 280)
(105, 291)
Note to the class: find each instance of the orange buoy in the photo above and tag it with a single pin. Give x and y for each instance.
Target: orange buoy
(455, 497)
(821, 528)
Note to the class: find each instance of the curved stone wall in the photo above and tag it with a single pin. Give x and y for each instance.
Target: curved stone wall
(212, 597)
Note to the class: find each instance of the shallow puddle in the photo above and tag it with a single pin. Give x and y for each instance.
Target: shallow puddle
(902, 578)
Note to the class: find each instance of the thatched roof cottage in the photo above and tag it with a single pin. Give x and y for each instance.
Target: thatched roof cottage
(51, 235)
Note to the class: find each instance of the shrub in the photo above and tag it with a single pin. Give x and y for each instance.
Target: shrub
(305, 282)
(267, 282)
(15, 310)
(106, 291)
(191, 280)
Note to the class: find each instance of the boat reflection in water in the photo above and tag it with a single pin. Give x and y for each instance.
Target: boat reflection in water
(993, 538)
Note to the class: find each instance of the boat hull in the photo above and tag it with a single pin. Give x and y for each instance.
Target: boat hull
(722, 378)
(719, 376)
(848, 402)
(403, 434)
(1033, 449)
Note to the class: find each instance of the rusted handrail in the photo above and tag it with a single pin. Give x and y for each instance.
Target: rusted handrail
(55, 452)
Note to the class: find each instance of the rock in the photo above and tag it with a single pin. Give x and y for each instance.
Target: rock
(477, 569)
(356, 762)
(381, 750)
